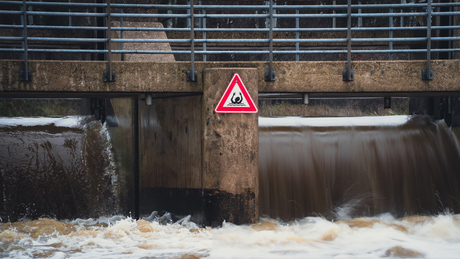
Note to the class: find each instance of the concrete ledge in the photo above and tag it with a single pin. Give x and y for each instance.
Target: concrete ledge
(309, 77)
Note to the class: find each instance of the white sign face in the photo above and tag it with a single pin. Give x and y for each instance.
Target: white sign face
(236, 98)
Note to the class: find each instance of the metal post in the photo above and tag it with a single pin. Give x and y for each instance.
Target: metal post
(189, 23)
(192, 74)
(334, 20)
(360, 19)
(270, 74)
(109, 76)
(401, 20)
(31, 17)
(450, 33)
(25, 75)
(122, 44)
(348, 74)
(391, 34)
(204, 33)
(427, 74)
(297, 25)
(70, 17)
(136, 139)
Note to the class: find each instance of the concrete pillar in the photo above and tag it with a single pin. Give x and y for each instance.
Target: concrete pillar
(230, 152)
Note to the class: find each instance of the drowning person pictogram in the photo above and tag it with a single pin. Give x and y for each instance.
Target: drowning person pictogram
(237, 100)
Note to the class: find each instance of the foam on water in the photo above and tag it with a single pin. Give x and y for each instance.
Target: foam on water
(313, 237)
(333, 121)
(68, 121)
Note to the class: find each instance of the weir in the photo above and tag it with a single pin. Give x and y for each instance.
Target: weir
(357, 167)
(175, 154)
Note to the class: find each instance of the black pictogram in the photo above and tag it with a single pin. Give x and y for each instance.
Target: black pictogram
(238, 99)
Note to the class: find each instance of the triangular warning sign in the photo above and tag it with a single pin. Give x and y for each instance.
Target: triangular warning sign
(236, 98)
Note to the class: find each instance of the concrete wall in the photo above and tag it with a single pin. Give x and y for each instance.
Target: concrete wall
(311, 77)
(196, 162)
(230, 152)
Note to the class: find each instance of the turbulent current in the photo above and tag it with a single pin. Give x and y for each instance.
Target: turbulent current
(311, 237)
(380, 187)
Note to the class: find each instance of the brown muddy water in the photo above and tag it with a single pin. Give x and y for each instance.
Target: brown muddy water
(55, 167)
(379, 187)
(355, 167)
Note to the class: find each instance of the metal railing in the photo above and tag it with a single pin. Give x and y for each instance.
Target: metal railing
(340, 41)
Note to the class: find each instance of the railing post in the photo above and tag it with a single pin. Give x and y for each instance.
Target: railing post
(122, 44)
(25, 75)
(297, 26)
(270, 74)
(203, 25)
(391, 34)
(192, 74)
(109, 76)
(360, 19)
(427, 74)
(334, 20)
(70, 16)
(348, 74)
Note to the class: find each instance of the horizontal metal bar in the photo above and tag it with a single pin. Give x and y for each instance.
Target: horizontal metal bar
(67, 14)
(70, 50)
(11, 50)
(44, 27)
(232, 40)
(7, 26)
(232, 29)
(344, 7)
(387, 39)
(445, 13)
(317, 15)
(445, 38)
(152, 6)
(421, 28)
(67, 39)
(354, 15)
(56, 4)
(210, 52)
(231, 7)
(445, 50)
(48, 27)
(309, 40)
(445, 4)
(125, 51)
(148, 15)
(11, 38)
(236, 16)
(223, 7)
(152, 40)
(148, 29)
(10, 12)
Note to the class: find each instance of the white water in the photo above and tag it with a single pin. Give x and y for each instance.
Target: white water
(333, 121)
(312, 237)
(68, 121)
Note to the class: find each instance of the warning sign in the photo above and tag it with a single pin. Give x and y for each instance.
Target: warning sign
(236, 98)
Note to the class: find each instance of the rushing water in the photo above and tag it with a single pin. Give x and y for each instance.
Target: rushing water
(311, 237)
(339, 188)
(361, 166)
(55, 167)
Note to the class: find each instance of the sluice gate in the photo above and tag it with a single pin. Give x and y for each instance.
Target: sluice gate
(154, 74)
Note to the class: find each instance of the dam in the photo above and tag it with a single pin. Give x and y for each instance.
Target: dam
(147, 166)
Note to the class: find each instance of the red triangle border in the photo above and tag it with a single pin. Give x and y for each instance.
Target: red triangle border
(220, 105)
